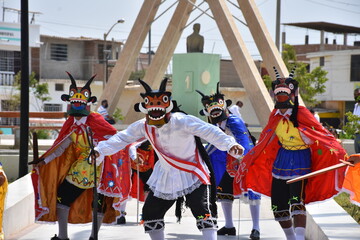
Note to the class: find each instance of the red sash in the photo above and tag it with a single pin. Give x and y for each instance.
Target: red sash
(194, 168)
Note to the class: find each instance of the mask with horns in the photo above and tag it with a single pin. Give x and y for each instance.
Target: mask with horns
(79, 98)
(157, 104)
(286, 94)
(215, 106)
(285, 90)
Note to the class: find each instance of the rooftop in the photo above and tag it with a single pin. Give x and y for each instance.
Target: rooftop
(327, 27)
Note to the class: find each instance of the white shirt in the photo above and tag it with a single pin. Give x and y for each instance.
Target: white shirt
(103, 112)
(317, 117)
(175, 139)
(235, 109)
(356, 109)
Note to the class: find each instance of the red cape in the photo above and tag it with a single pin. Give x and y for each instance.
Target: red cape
(352, 184)
(255, 171)
(47, 178)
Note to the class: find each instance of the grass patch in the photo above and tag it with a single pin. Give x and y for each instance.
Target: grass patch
(343, 200)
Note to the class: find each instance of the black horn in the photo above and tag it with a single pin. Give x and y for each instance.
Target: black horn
(163, 85)
(276, 73)
(203, 95)
(87, 85)
(73, 82)
(146, 86)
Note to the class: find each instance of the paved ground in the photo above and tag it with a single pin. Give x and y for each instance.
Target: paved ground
(185, 230)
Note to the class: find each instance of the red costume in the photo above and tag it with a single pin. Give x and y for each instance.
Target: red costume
(255, 171)
(48, 177)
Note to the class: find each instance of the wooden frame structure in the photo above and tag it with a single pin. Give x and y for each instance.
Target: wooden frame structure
(243, 62)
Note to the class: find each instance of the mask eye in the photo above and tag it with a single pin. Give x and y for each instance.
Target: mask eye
(207, 105)
(146, 100)
(165, 99)
(221, 101)
(72, 92)
(291, 86)
(86, 94)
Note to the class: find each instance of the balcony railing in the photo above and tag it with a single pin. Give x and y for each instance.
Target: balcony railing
(6, 78)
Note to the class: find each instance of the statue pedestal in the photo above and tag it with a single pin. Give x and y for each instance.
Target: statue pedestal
(194, 71)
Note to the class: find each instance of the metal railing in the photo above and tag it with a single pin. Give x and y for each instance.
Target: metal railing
(6, 78)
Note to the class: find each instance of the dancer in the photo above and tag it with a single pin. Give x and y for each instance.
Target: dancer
(141, 158)
(181, 169)
(3, 191)
(224, 165)
(292, 144)
(63, 178)
(356, 112)
(352, 179)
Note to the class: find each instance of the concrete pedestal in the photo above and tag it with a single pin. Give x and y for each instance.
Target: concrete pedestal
(194, 71)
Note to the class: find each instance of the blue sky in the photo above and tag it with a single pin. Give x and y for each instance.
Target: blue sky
(92, 18)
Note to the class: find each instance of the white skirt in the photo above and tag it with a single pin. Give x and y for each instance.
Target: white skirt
(169, 183)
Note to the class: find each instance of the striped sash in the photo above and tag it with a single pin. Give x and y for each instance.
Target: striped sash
(194, 168)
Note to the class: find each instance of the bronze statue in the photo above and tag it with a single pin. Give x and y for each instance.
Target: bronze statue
(195, 42)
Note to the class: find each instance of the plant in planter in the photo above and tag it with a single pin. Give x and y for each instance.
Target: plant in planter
(351, 127)
(117, 115)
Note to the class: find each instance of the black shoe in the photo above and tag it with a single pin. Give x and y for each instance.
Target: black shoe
(121, 220)
(227, 231)
(255, 234)
(56, 238)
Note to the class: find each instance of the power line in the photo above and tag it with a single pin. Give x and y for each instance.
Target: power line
(77, 26)
(337, 8)
(345, 3)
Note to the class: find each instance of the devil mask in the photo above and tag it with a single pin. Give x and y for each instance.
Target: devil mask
(215, 106)
(79, 98)
(157, 104)
(285, 90)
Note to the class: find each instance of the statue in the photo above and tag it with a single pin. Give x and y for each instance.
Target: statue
(195, 42)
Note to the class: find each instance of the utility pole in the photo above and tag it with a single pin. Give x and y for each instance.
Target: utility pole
(149, 59)
(278, 15)
(106, 52)
(24, 100)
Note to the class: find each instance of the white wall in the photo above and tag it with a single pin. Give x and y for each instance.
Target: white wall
(337, 64)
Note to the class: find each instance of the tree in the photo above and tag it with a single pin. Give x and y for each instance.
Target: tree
(310, 83)
(39, 90)
(351, 127)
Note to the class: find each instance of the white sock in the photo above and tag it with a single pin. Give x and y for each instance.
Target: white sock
(209, 234)
(300, 233)
(255, 215)
(62, 217)
(157, 235)
(289, 233)
(100, 218)
(227, 209)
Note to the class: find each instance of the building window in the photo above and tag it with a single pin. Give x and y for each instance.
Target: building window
(52, 107)
(355, 68)
(58, 52)
(322, 61)
(7, 61)
(101, 52)
(59, 87)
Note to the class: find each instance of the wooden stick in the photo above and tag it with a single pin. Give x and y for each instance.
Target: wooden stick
(353, 159)
(318, 172)
(35, 150)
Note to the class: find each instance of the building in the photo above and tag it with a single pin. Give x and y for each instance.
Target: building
(341, 61)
